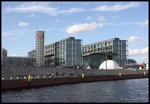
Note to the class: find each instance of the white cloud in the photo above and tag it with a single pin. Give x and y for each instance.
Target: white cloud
(116, 7)
(89, 18)
(144, 50)
(32, 7)
(101, 18)
(81, 28)
(23, 24)
(71, 10)
(134, 38)
(12, 38)
(137, 52)
(40, 7)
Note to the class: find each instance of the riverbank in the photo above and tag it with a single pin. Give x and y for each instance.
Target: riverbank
(39, 82)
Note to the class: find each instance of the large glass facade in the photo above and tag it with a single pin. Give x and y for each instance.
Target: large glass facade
(32, 54)
(93, 61)
(120, 47)
(21, 61)
(68, 53)
(113, 49)
(97, 48)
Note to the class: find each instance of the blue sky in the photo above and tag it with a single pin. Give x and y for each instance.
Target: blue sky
(89, 21)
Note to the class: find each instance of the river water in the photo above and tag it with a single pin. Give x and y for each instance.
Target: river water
(130, 90)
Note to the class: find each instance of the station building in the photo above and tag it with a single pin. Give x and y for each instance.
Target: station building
(63, 53)
(96, 53)
(71, 52)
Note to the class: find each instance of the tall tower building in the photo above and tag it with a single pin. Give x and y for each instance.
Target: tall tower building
(40, 48)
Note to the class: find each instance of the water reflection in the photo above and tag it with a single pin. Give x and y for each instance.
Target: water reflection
(133, 90)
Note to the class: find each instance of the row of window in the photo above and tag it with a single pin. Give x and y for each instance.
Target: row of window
(98, 50)
(104, 44)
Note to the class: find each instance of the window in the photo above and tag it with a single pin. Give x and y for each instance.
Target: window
(110, 42)
(103, 45)
(69, 41)
(78, 42)
(68, 52)
(69, 47)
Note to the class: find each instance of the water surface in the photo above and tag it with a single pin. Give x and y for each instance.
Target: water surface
(131, 90)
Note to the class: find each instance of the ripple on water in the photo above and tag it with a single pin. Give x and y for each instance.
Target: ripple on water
(132, 90)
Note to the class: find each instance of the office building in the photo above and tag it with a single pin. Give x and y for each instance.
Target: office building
(63, 53)
(32, 54)
(66, 52)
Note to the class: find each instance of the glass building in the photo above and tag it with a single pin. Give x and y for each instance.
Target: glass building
(94, 54)
(66, 52)
(21, 61)
(121, 48)
(70, 52)
(32, 54)
(63, 53)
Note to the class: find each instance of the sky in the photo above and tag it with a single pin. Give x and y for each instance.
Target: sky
(89, 21)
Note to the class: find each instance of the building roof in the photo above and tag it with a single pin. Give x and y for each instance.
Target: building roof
(101, 41)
